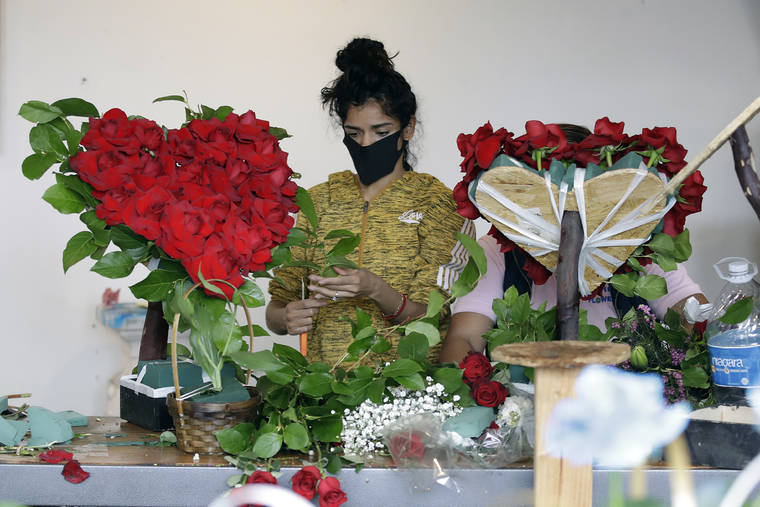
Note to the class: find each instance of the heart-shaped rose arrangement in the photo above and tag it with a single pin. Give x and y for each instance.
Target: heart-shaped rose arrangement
(523, 186)
(215, 195)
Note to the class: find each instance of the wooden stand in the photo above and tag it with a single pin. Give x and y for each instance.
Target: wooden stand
(155, 334)
(556, 365)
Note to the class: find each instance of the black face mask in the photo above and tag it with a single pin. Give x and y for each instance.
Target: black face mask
(376, 160)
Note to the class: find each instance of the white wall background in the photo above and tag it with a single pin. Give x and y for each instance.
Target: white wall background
(693, 64)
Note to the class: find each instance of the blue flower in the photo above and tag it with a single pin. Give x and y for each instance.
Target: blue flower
(616, 419)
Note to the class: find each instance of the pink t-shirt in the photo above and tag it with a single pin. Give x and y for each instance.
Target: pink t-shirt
(491, 287)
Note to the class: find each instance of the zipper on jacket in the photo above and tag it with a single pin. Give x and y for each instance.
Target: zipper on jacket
(365, 209)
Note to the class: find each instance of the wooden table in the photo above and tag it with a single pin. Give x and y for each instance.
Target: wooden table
(139, 475)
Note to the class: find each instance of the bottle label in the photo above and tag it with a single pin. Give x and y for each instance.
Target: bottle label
(735, 366)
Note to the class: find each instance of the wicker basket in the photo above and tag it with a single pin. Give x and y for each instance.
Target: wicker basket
(196, 428)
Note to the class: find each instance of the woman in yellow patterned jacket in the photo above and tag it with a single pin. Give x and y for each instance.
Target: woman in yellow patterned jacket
(407, 220)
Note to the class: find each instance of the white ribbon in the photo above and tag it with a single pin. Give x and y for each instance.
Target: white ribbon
(547, 237)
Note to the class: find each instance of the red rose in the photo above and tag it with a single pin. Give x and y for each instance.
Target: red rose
(148, 133)
(55, 456)
(611, 130)
(305, 481)
(249, 128)
(476, 367)
(144, 210)
(465, 207)
(185, 228)
(73, 473)
(216, 262)
(330, 494)
(488, 393)
(261, 477)
(408, 446)
(115, 129)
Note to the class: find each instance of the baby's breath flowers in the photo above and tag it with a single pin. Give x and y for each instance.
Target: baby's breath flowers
(362, 433)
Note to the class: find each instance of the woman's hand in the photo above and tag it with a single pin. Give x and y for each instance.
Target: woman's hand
(292, 318)
(349, 283)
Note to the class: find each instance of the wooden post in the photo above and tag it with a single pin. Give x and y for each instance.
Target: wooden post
(570, 244)
(556, 481)
(748, 179)
(155, 334)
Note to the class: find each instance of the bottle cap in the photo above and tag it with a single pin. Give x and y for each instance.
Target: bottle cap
(738, 269)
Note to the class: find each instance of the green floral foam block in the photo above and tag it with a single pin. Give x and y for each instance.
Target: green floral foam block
(3, 404)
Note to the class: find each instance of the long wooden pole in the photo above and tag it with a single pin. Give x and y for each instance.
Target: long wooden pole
(744, 167)
(672, 185)
(570, 244)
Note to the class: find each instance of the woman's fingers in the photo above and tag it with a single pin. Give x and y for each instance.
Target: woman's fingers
(299, 315)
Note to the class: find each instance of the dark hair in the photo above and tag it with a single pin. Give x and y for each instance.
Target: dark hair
(574, 133)
(368, 74)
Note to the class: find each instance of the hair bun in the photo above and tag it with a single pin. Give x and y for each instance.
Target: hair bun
(364, 54)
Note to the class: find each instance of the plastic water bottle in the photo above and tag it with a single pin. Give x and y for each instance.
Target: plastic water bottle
(735, 348)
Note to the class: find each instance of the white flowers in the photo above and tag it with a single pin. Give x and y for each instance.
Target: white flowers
(617, 418)
(362, 433)
(513, 410)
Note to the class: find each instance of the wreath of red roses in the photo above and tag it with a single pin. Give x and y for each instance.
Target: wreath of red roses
(542, 143)
(215, 195)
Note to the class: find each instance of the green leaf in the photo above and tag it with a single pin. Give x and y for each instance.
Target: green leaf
(467, 279)
(178, 98)
(425, 328)
(435, 303)
(475, 250)
(694, 376)
(738, 311)
(44, 139)
(376, 390)
(521, 308)
(36, 111)
(334, 464)
(625, 283)
(635, 264)
(178, 302)
(289, 355)
(73, 138)
(340, 388)
(363, 372)
(413, 381)
(263, 360)
(236, 439)
(123, 237)
(339, 233)
(360, 346)
(304, 202)
(651, 287)
(251, 293)
(449, 378)
(682, 247)
(36, 164)
(381, 346)
(665, 262)
(365, 332)
(316, 384)
(662, 243)
(279, 132)
(267, 445)
(344, 246)
(96, 225)
(222, 112)
(401, 367)
(257, 330)
(84, 191)
(282, 377)
(296, 237)
(207, 356)
(81, 245)
(413, 346)
(76, 107)
(114, 265)
(208, 285)
(208, 112)
(296, 437)
(327, 429)
(156, 286)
